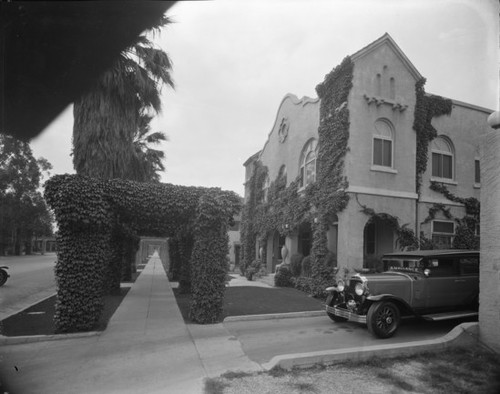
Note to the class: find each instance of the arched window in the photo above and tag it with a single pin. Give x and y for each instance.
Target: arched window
(308, 164)
(442, 158)
(383, 143)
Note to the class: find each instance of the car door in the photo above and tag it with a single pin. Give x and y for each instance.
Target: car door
(443, 283)
(468, 282)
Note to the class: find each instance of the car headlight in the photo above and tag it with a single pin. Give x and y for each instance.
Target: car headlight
(340, 285)
(359, 289)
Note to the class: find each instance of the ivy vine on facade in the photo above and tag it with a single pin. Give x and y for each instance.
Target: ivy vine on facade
(283, 209)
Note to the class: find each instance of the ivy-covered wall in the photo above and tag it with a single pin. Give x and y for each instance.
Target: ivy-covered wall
(427, 107)
(94, 216)
(287, 206)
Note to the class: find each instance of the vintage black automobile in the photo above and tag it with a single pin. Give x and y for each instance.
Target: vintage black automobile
(430, 284)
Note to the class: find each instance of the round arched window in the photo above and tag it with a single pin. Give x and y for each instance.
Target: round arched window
(442, 158)
(383, 143)
(308, 163)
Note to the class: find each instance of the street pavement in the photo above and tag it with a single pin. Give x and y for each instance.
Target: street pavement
(31, 280)
(147, 347)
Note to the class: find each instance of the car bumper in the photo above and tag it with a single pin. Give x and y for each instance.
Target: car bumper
(341, 312)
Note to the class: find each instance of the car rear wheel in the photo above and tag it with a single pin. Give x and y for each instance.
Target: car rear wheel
(331, 301)
(383, 319)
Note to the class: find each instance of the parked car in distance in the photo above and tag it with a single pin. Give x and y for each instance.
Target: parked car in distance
(430, 284)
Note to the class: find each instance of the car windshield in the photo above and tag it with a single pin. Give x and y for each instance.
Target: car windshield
(402, 263)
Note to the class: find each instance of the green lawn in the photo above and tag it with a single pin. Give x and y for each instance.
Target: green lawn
(240, 301)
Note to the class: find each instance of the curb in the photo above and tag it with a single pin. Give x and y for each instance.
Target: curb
(5, 341)
(271, 316)
(462, 334)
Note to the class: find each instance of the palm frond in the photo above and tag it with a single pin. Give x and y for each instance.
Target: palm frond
(156, 62)
(156, 137)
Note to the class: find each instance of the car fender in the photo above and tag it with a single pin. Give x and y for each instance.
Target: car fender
(404, 307)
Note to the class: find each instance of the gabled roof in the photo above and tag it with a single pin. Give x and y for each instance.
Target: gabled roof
(387, 39)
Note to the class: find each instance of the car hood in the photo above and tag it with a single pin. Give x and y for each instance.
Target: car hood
(398, 284)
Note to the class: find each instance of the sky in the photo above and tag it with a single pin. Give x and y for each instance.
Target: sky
(234, 61)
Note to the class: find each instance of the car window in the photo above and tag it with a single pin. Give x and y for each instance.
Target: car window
(410, 264)
(469, 266)
(443, 266)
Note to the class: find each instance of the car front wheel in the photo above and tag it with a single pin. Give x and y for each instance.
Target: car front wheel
(383, 319)
(3, 277)
(332, 301)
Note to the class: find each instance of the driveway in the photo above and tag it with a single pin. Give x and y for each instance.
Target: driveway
(263, 339)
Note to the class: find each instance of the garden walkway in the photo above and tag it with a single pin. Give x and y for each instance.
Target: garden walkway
(147, 348)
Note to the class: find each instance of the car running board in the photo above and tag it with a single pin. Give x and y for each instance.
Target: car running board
(449, 315)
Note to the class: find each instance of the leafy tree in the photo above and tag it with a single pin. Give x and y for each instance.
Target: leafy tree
(110, 120)
(23, 212)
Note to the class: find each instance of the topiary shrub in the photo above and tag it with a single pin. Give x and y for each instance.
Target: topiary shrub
(283, 277)
(306, 267)
(253, 269)
(296, 264)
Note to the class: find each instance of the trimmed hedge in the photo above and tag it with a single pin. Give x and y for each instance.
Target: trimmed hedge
(96, 217)
(208, 260)
(304, 284)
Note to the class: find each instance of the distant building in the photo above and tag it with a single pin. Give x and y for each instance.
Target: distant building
(44, 244)
(234, 242)
(379, 167)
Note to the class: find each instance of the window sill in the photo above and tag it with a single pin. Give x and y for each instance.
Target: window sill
(444, 180)
(477, 186)
(384, 169)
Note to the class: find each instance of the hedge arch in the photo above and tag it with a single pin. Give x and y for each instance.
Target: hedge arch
(98, 222)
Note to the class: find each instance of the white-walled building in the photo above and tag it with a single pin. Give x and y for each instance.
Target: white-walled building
(380, 164)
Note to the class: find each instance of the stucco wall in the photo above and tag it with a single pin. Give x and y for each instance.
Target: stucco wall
(456, 210)
(303, 119)
(489, 280)
(465, 127)
(363, 115)
(352, 224)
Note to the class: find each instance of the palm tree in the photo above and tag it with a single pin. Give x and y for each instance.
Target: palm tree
(108, 116)
(148, 161)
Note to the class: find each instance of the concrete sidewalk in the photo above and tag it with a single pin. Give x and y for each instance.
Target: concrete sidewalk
(147, 348)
